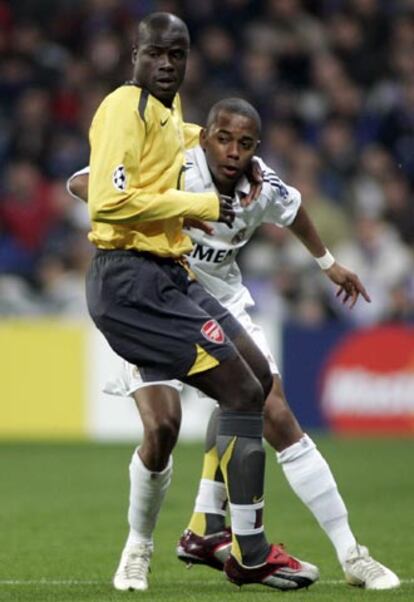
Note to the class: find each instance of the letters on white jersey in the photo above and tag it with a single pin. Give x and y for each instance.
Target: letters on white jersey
(213, 258)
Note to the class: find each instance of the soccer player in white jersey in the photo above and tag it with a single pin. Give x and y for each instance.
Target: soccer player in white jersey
(226, 148)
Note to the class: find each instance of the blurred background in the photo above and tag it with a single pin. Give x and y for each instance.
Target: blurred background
(334, 83)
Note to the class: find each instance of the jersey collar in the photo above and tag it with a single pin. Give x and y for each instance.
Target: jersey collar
(132, 82)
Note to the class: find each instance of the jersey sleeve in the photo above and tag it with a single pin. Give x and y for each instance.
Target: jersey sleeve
(191, 135)
(283, 201)
(117, 138)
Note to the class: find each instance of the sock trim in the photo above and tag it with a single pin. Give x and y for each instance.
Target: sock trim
(247, 532)
(296, 450)
(137, 461)
(256, 506)
(241, 424)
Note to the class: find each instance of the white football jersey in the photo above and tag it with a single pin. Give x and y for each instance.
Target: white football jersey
(213, 258)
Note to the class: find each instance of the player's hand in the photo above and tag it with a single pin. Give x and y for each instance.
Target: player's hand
(350, 286)
(255, 176)
(192, 222)
(226, 210)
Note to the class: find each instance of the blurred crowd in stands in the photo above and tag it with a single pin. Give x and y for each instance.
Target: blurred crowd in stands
(334, 83)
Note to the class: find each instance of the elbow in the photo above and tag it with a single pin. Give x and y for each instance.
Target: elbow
(107, 212)
(78, 186)
(98, 214)
(94, 214)
(111, 208)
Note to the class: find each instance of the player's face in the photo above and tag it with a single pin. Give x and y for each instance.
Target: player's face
(229, 143)
(159, 62)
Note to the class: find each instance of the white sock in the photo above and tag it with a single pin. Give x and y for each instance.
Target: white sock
(147, 492)
(211, 497)
(312, 480)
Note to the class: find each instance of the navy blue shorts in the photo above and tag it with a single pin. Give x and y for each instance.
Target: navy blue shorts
(155, 316)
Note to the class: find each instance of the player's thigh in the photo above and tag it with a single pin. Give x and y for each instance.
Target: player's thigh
(232, 383)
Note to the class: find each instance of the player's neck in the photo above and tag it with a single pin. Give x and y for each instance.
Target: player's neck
(228, 190)
(167, 102)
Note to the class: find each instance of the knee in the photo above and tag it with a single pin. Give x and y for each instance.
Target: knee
(249, 397)
(161, 435)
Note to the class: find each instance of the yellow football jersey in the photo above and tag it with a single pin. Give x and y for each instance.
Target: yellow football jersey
(136, 163)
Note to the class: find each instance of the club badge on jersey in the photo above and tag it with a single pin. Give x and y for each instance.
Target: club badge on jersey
(212, 331)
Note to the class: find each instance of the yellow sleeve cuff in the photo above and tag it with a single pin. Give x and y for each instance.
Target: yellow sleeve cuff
(201, 205)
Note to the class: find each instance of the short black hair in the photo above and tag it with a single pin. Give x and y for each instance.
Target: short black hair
(239, 106)
(159, 20)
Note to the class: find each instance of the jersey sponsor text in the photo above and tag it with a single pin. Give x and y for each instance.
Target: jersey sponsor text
(203, 253)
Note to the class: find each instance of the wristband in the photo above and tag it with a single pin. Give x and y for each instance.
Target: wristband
(326, 261)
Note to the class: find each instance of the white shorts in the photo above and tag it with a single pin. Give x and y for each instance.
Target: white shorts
(256, 333)
(129, 380)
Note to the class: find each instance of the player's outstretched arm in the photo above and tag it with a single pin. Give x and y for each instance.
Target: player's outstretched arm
(350, 286)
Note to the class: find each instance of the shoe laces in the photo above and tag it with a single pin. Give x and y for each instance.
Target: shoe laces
(371, 568)
(137, 562)
(280, 555)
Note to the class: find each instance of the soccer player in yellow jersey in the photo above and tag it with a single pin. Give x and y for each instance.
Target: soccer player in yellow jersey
(150, 309)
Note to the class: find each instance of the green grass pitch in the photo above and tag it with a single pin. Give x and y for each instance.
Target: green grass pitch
(63, 524)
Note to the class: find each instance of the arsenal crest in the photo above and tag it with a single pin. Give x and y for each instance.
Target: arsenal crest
(212, 331)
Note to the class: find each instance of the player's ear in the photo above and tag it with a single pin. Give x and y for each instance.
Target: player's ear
(134, 55)
(203, 137)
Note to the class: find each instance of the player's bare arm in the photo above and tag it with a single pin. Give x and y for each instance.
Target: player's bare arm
(350, 286)
(78, 186)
